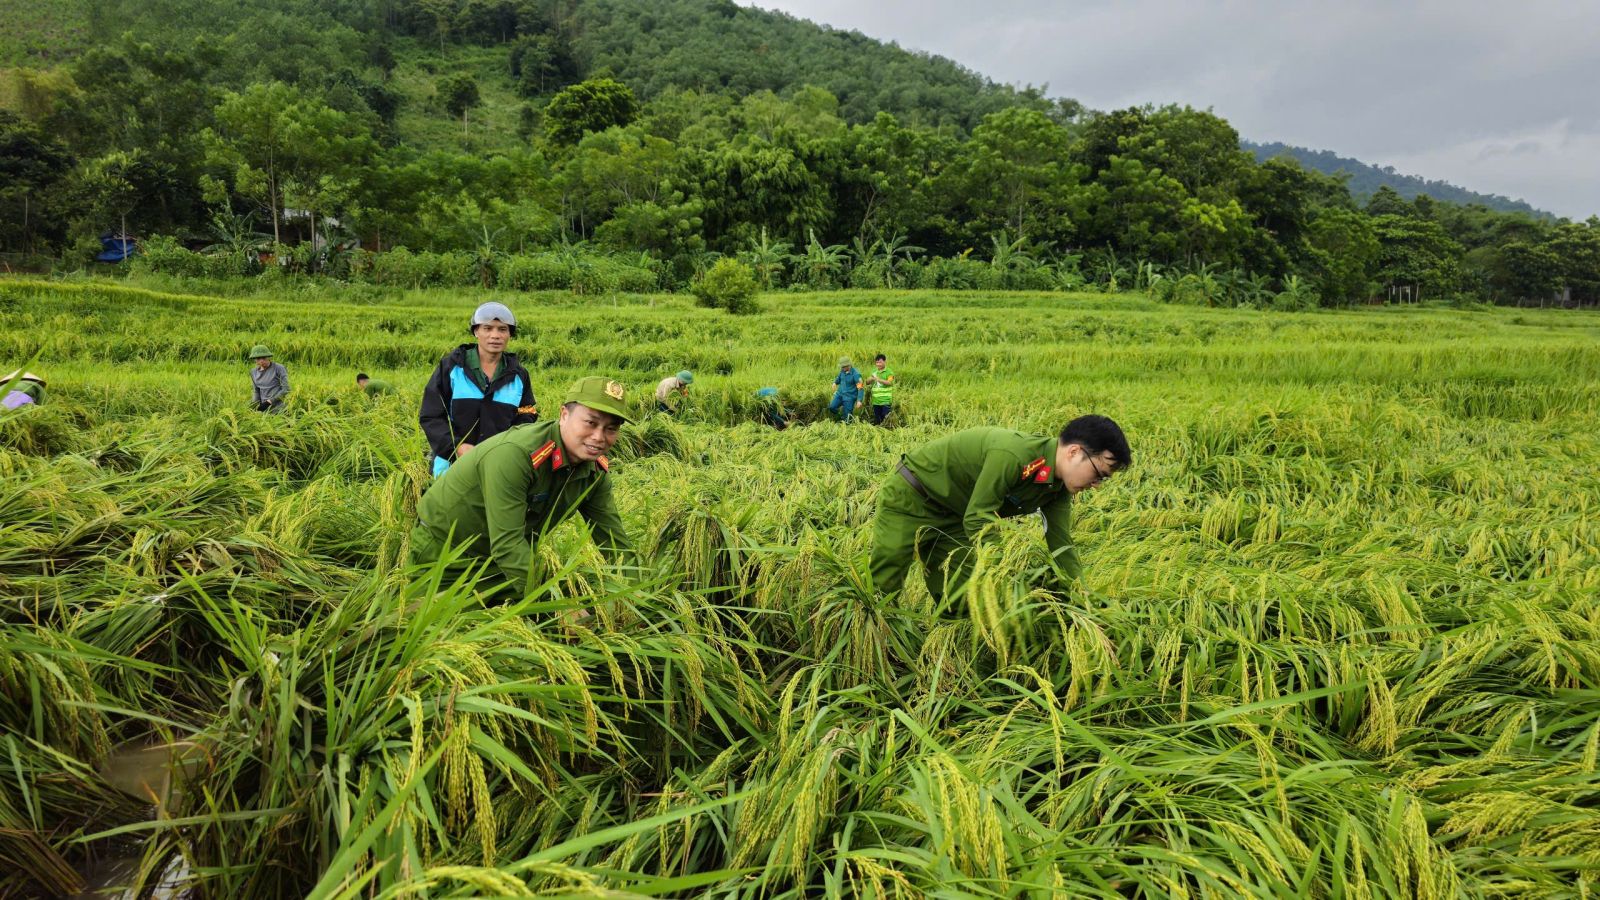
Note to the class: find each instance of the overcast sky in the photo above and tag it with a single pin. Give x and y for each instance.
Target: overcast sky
(1499, 97)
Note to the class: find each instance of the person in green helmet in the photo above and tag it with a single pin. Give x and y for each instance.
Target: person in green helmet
(523, 482)
(269, 381)
(846, 391)
(944, 493)
(673, 391)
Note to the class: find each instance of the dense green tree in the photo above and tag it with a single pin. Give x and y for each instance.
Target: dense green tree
(32, 166)
(459, 93)
(1578, 248)
(885, 182)
(270, 136)
(1417, 260)
(757, 186)
(1197, 149)
(592, 105)
(1519, 271)
(612, 168)
(1388, 203)
(1344, 251)
(541, 63)
(109, 187)
(1015, 175)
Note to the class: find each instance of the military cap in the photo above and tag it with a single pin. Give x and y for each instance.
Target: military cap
(259, 351)
(599, 393)
(844, 361)
(686, 377)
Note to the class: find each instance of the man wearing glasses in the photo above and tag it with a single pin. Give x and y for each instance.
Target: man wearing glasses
(945, 492)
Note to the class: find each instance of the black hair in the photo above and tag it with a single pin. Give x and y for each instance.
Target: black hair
(880, 356)
(1097, 434)
(361, 376)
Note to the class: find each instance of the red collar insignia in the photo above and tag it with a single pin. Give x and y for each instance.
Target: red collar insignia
(1043, 477)
(538, 456)
(557, 460)
(603, 463)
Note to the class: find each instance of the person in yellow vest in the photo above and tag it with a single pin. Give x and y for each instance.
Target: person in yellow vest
(881, 388)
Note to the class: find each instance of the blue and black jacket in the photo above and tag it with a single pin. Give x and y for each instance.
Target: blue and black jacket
(457, 409)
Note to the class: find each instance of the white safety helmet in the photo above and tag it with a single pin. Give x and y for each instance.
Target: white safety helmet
(490, 311)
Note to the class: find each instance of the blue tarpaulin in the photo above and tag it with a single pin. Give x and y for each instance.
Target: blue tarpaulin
(117, 248)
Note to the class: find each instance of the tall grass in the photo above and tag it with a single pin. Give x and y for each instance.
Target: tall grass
(1337, 636)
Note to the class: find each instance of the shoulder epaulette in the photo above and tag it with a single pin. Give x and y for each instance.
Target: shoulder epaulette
(538, 456)
(527, 410)
(1029, 470)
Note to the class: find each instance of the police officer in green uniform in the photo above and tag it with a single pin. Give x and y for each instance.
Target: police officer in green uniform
(373, 387)
(943, 493)
(519, 484)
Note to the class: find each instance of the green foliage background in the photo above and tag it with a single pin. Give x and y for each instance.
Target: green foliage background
(686, 129)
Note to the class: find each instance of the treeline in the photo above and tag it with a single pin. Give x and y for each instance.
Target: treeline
(275, 147)
(1364, 180)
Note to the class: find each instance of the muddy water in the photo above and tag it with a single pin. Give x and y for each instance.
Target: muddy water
(150, 772)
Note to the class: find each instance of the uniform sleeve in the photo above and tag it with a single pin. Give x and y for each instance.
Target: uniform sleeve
(255, 389)
(599, 509)
(283, 383)
(505, 476)
(526, 418)
(1058, 539)
(435, 415)
(1000, 471)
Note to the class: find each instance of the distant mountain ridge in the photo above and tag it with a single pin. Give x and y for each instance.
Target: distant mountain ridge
(652, 45)
(1365, 178)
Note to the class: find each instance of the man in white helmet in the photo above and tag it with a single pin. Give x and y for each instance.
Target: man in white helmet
(478, 390)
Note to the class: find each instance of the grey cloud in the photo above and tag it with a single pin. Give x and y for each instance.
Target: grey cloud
(1430, 81)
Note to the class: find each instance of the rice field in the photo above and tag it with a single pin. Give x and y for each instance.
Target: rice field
(1339, 634)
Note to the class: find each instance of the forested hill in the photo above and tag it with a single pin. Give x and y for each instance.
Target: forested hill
(1365, 179)
(667, 135)
(654, 46)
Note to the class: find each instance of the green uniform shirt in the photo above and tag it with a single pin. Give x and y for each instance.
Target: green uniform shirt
(374, 387)
(883, 388)
(510, 489)
(983, 474)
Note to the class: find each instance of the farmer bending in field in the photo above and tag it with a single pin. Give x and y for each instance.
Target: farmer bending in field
(673, 392)
(945, 492)
(521, 483)
(477, 391)
(269, 381)
(372, 387)
(22, 389)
